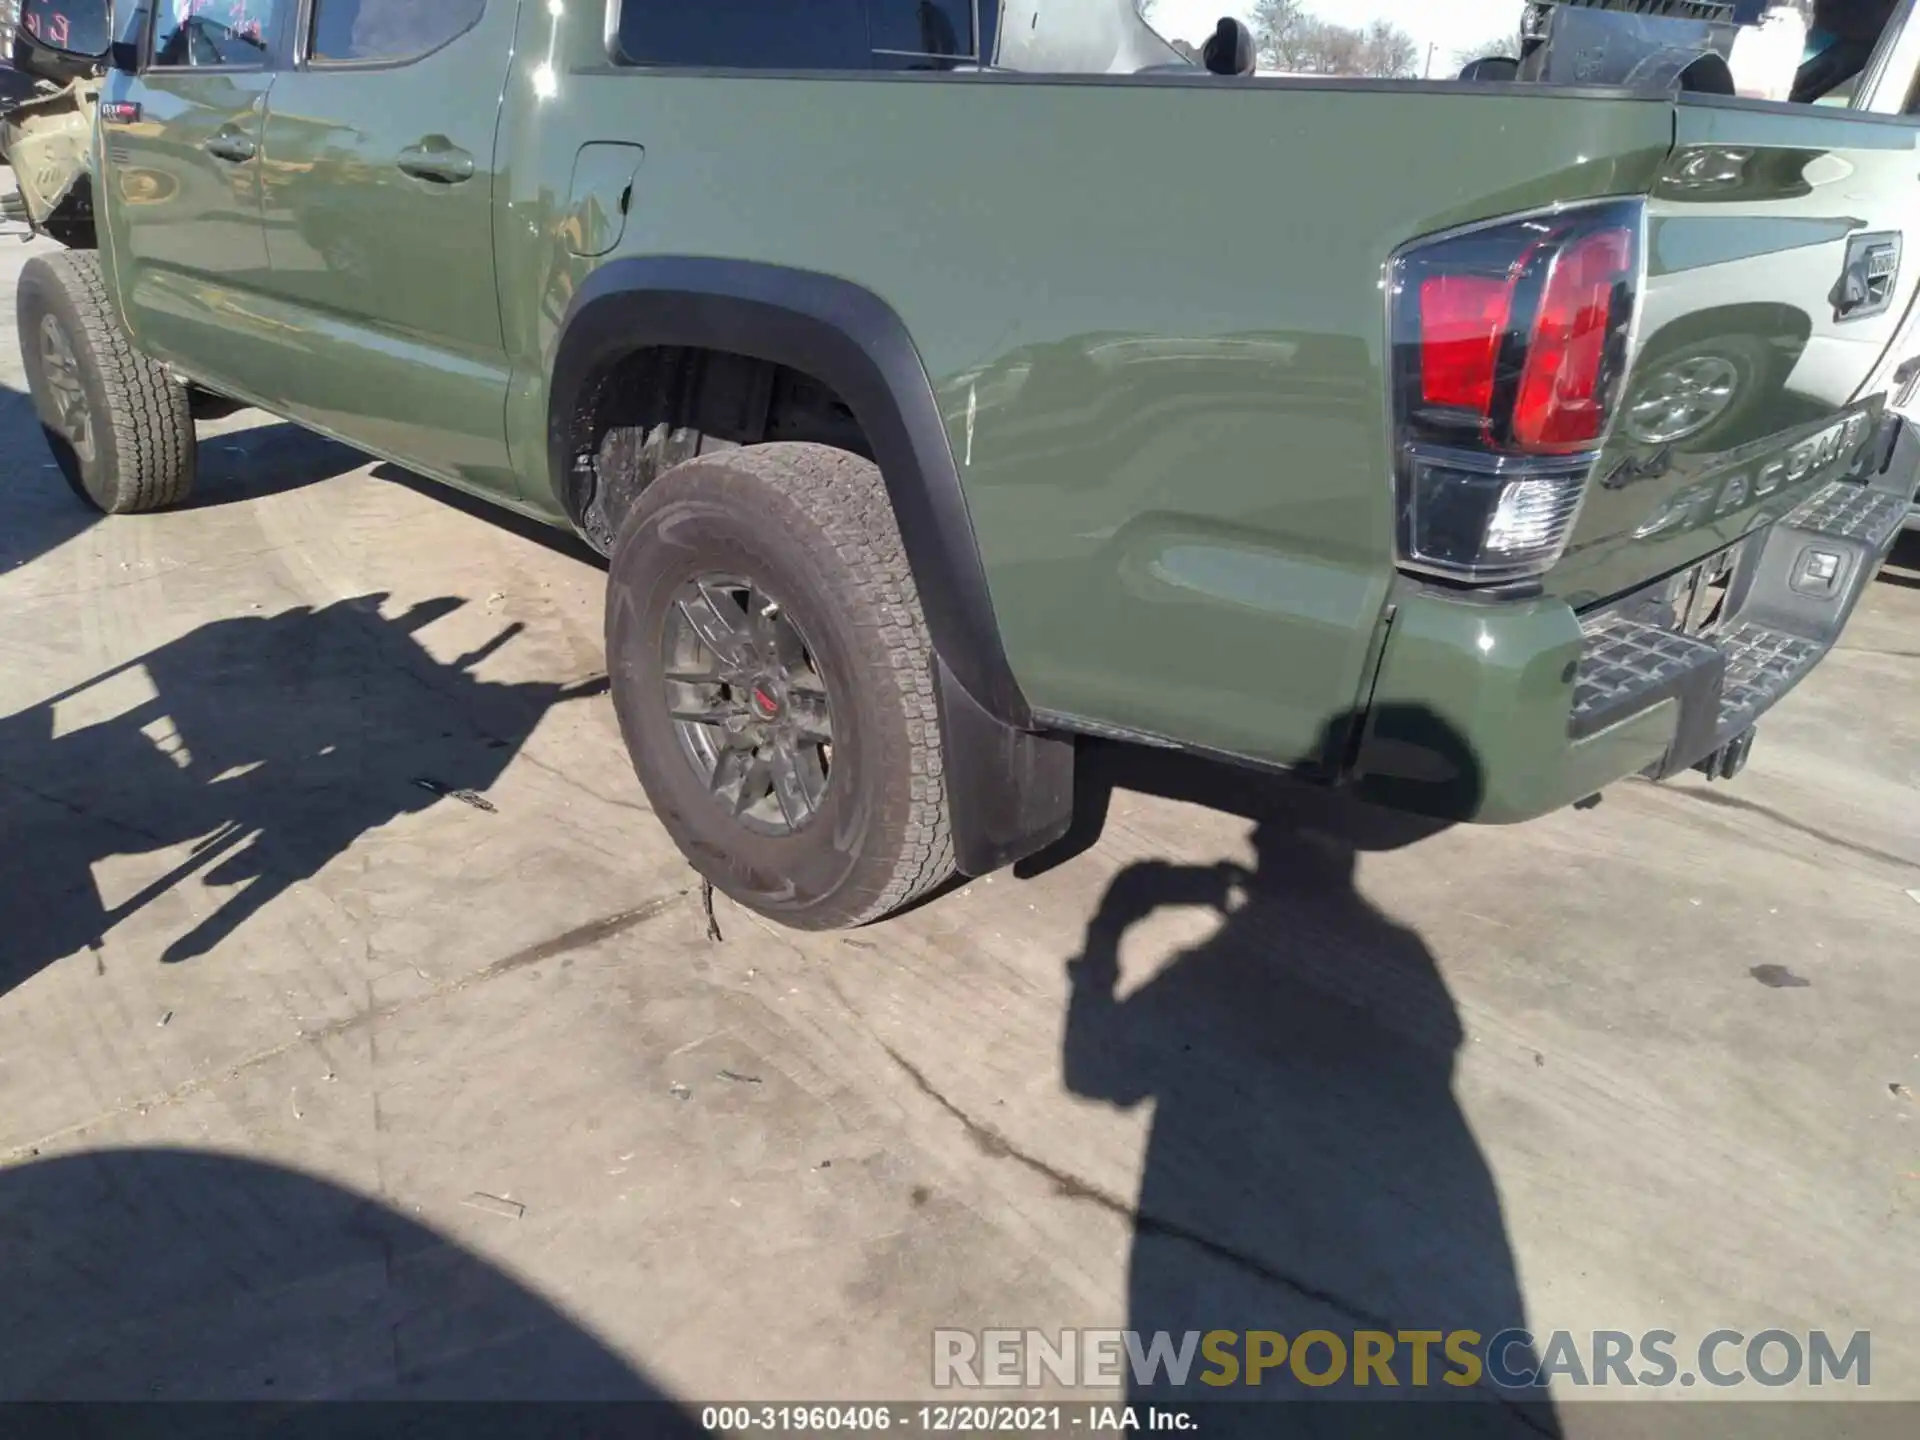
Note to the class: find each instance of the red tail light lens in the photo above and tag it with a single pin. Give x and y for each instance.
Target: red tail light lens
(1463, 319)
(1562, 402)
(1509, 346)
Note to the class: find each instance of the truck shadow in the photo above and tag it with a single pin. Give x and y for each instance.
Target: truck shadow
(139, 1274)
(39, 514)
(270, 458)
(1308, 1168)
(240, 759)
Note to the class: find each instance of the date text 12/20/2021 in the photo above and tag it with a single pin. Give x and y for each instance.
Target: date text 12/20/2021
(960, 1419)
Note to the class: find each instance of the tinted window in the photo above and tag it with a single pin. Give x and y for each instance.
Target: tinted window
(213, 32)
(787, 35)
(926, 34)
(388, 29)
(765, 34)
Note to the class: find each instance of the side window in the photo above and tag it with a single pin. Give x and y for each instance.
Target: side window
(374, 30)
(929, 34)
(759, 34)
(229, 33)
(823, 35)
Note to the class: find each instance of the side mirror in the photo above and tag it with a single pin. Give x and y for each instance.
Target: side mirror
(1230, 49)
(65, 30)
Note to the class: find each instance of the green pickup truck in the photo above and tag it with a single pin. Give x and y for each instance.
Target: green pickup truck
(946, 380)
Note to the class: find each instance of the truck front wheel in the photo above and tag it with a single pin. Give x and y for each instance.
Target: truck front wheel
(120, 430)
(771, 672)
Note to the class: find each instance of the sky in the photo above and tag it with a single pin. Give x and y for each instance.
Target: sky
(1448, 24)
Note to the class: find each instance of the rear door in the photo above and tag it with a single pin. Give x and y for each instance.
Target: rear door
(182, 161)
(378, 173)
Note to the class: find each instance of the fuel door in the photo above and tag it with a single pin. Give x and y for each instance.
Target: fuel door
(600, 196)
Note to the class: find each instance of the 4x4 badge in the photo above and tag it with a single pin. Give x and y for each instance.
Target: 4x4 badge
(1866, 282)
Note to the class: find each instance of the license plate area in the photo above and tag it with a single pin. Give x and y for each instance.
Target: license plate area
(1700, 605)
(1697, 601)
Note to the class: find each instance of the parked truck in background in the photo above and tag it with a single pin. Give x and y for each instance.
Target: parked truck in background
(948, 380)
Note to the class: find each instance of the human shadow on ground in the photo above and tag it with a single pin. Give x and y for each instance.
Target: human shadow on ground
(1308, 1168)
(179, 1275)
(245, 755)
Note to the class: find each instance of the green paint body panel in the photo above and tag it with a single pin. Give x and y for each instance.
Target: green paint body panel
(182, 226)
(1151, 309)
(1173, 444)
(1469, 715)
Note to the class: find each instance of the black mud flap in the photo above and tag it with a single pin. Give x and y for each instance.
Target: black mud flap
(1009, 791)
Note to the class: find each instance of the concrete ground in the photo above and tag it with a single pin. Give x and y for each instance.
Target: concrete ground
(318, 1079)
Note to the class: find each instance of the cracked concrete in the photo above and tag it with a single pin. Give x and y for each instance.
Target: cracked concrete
(271, 1013)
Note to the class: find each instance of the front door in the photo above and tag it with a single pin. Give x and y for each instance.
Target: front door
(378, 208)
(182, 159)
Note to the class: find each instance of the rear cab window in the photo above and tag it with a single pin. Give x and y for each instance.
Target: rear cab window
(825, 35)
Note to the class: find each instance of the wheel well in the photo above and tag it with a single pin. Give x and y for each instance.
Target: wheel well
(658, 405)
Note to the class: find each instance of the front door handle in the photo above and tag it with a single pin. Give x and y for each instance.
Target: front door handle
(231, 146)
(439, 160)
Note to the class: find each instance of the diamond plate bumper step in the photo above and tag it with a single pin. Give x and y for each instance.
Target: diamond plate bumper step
(1792, 590)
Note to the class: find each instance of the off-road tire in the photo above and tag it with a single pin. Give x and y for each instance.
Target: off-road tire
(814, 525)
(141, 423)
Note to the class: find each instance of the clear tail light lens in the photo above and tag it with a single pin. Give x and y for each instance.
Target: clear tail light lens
(1509, 348)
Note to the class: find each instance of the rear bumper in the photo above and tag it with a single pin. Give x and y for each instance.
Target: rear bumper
(1504, 712)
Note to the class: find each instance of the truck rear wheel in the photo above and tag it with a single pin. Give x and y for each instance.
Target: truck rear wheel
(771, 672)
(120, 430)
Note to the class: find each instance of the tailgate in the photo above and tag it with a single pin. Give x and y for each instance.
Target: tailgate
(1780, 268)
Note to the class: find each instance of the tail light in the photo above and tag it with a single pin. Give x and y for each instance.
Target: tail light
(1509, 346)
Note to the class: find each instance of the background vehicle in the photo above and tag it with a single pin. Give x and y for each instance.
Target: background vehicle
(946, 381)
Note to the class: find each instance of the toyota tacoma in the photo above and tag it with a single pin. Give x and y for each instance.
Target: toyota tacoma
(947, 380)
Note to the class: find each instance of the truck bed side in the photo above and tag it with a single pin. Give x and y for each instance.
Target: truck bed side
(1150, 308)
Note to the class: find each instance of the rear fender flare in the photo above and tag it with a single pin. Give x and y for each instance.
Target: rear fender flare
(1009, 788)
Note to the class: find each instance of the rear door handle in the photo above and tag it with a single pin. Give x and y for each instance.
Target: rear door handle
(439, 160)
(231, 146)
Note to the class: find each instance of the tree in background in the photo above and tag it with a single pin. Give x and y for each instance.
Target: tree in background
(1279, 29)
(1288, 38)
(1388, 52)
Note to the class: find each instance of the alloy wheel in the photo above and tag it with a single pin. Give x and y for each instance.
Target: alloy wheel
(748, 701)
(65, 386)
